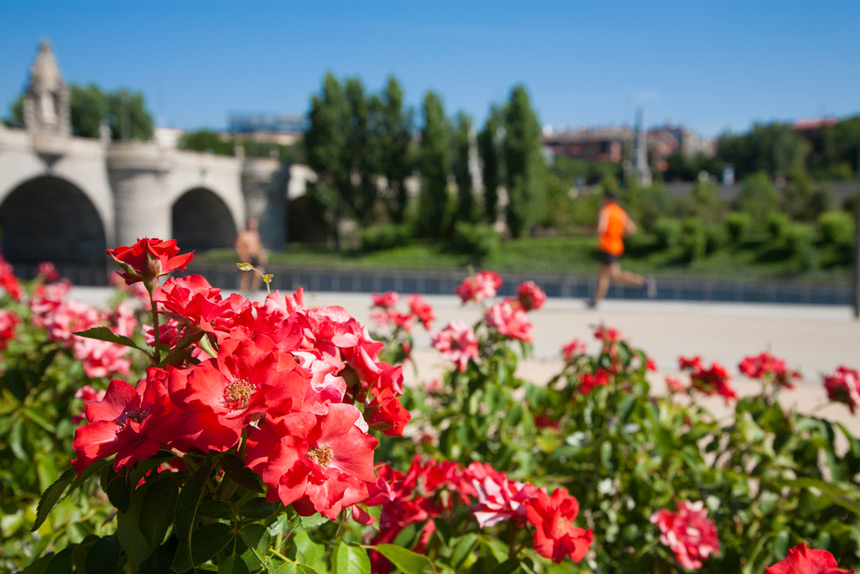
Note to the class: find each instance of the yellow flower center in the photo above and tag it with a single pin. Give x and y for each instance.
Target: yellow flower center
(321, 456)
(238, 394)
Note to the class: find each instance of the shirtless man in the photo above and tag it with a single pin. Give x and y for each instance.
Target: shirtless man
(614, 225)
(250, 250)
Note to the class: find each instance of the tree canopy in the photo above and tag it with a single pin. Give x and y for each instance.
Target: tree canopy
(124, 111)
(435, 165)
(524, 162)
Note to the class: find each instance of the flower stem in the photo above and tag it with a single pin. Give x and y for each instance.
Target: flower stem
(157, 340)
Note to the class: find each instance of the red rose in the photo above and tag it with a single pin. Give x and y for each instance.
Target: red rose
(555, 535)
(572, 350)
(843, 386)
(480, 286)
(802, 560)
(422, 309)
(457, 343)
(530, 296)
(690, 534)
(510, 320)
(149, 259)
(386, 300)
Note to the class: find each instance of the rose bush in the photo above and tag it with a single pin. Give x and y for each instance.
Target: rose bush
(250, 441)
(219, 434)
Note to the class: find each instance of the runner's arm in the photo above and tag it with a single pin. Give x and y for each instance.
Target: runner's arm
(629, 227)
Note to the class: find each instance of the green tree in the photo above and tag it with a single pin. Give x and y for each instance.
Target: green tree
(463, 141)
(395, 132)
(88, 108)
(206, 141)
(526, 171)
(16, 113)
(703, 202)
(362, 150)
(490, 150)
(833, 152)
(757, 198)
(771, 148)
(125, 112)
(435, 160)
(326, 148)
(128, 117)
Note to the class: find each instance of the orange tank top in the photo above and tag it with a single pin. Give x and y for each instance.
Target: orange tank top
(611, 241)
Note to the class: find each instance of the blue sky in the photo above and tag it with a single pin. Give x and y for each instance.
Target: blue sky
(710, 65)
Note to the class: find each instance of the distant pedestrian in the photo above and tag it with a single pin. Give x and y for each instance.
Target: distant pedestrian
(613, 226)
(249, 249)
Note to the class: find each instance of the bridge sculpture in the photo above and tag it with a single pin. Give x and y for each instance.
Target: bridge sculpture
(67, 199)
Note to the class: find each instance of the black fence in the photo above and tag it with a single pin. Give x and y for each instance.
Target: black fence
(554, 284)
(226, 276)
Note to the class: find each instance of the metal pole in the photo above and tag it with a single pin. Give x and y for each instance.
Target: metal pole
(857, 239)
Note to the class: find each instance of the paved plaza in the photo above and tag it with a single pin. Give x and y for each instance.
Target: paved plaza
(813, 339)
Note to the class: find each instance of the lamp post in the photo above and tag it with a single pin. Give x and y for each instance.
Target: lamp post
(856, 293)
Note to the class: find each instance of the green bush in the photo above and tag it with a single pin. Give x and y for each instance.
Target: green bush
(800, 245)
(475, 239)
(738, 225)
(837, 228)
(758, 198)
(668, 232)
(716, 237)
(693, 238)
(777, 226)
(385, 237)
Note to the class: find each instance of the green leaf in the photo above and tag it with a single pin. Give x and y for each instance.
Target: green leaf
(509, 566)
(780, 546)
(136, 545)
(103, 556)
(407, 561)
(186, 515)
(117, 489)
(498, 548)
(625, 407)
(209, 541)
(240, 474)
(254, 544)
(215, 509)
(53, 495)
(462, 549)
(39, 419)
(61, 563)
(16, 440)
(258, 508)
(233, 565)
(245, 266)
(17, 383)
(39, 566)
(349, 559)
(290, 567)
(159, 505)
(81, 550)
(832, 492)
(307, 550)
(313, 520)
(159, 561)
(105, 334)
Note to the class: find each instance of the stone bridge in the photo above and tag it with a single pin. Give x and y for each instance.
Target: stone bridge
(67, 199)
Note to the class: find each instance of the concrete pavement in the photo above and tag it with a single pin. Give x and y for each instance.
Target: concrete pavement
(812, 339)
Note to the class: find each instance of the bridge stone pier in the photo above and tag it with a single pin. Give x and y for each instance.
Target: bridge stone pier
(67, 199)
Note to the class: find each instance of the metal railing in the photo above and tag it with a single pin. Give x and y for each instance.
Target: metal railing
(226, 276)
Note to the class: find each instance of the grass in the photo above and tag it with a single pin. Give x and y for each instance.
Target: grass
(755, 260)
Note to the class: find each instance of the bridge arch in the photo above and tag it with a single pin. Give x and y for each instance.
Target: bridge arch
(48, 218)
(201, 220)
